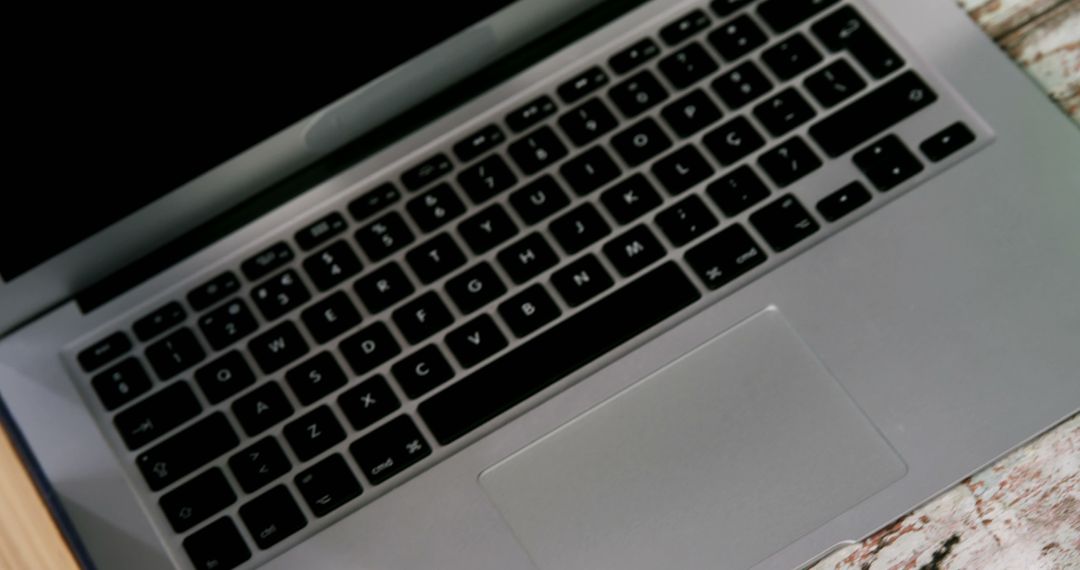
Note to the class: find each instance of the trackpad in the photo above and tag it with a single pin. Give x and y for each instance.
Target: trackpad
(720, 459)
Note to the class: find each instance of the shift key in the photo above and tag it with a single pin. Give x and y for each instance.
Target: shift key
(867, 117)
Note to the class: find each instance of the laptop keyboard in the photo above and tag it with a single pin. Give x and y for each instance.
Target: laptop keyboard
(343, 357)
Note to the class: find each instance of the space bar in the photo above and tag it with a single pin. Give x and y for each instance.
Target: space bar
(557, 352)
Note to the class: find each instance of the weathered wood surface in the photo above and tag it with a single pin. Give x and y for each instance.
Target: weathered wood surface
(1043, 36)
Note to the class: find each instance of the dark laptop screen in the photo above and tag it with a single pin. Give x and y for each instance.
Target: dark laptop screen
(109, 111)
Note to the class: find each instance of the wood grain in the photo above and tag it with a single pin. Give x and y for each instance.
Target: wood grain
(29, 539)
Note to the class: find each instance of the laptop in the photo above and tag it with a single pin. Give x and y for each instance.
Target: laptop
(535, 285)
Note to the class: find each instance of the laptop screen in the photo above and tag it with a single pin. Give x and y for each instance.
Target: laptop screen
(112, 111)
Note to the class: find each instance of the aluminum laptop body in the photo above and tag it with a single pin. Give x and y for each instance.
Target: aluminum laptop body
(845, 365)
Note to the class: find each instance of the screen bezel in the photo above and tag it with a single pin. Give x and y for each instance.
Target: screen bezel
(59, 278)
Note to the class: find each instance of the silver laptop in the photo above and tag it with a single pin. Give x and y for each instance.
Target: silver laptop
(564, 285)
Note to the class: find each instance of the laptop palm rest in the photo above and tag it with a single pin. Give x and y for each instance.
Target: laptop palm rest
(718, 460)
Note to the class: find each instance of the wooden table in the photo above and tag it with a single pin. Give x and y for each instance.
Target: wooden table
(1021, 513)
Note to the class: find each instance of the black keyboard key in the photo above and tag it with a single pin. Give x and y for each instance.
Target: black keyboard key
(487, 229)
(579, 228)
(582, 84)
(587, 121)
(186, 451)
(103, 351)
(272, 517)
(631, 199)
(388, 450)
(737, 37)
(843, 201)
(682, 169)
(280, 294)
(422, 317)
(313, 433)
(637, 94)
(259, 464)
(846, 29)
(685, 27)
(318, 232)
(435, 207)
(332, 265)
(330, 317)
(789, 161)
(262, 408)
(224, 377)
(640, 142)
(539, 199)
(636, 54)
(687, 66)
(175, 353)
(530, 113)
(791, 56)
(783, 112)
(537, 150)
(315, 377)
(741, 85)
(435, 258)
(782, 15)
(834, 83)
(159, 321)
(529, 310)
(369, 348)
(727, 7)
(527, 258)
(426, 172)
(384, 236)
(422, 371)
(157, 415)
(783, 223)
(686, 221)
(581, 280)
(949, 140)
(373, 201)
(213, 291)
(267, 260)
(368, 402)
(486, 178)
(327, 485)
(737, 191)
(475, 287)
(121, 384)
(579, 340)
(887, 163)
(475, 340)
(725, 256)
(384, 287)
(589, 170)
(218, 546)
(197, 500)
(691, 113)
(882, 108)
(634, 250)
(733, 141)
(277, 347)
(227, 324)
(478, 143)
